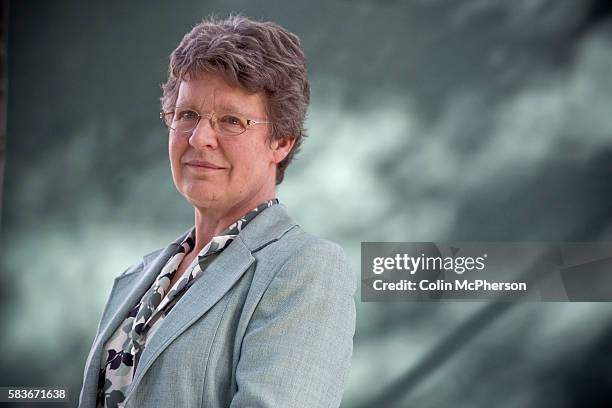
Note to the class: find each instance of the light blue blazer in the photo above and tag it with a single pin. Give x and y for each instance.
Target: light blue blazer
(270, 323)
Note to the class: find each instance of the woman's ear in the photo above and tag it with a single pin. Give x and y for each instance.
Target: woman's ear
(281, 148)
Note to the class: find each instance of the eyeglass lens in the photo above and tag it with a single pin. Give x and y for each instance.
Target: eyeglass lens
(185, 121)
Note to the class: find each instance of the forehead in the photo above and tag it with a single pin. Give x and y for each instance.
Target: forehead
(210, 91)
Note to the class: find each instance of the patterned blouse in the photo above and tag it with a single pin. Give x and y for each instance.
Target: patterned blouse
(123, 349)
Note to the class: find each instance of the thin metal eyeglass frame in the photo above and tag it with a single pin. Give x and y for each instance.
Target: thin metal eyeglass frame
(212, 118)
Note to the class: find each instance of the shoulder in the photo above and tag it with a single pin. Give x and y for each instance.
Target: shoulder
(298, 240)
(297, 244)
(303, 244)
(153, 255)
(139, 266)
(303, 258)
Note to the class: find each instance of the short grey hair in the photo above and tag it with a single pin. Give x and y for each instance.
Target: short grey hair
(257, 56)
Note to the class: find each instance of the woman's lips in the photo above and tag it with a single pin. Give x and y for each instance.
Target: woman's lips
(203, 165)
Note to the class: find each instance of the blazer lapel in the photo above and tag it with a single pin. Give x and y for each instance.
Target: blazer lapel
(216, 281)
(213, 284)
(126, 292)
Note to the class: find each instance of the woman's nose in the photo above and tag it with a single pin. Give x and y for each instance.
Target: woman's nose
(204, 134)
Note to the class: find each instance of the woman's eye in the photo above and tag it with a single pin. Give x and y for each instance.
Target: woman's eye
(186, 115)
(230, 120)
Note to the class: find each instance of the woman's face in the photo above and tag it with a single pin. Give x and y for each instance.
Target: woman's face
(225, 174)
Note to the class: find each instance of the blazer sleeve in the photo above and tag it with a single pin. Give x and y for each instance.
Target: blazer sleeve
(297, 348)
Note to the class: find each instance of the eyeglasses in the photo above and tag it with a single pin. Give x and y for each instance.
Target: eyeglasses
(186, 120)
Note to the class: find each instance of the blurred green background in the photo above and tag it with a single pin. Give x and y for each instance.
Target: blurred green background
(430, 120)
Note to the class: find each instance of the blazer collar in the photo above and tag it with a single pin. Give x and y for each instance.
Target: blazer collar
(218, 278)
(267, 227)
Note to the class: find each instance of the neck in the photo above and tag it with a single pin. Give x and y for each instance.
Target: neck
(210, 222)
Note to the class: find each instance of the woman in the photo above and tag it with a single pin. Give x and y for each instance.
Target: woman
(244, 308)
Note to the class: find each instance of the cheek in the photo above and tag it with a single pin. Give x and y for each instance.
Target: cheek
(252, 157)
(246, 163)
(175, 152)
